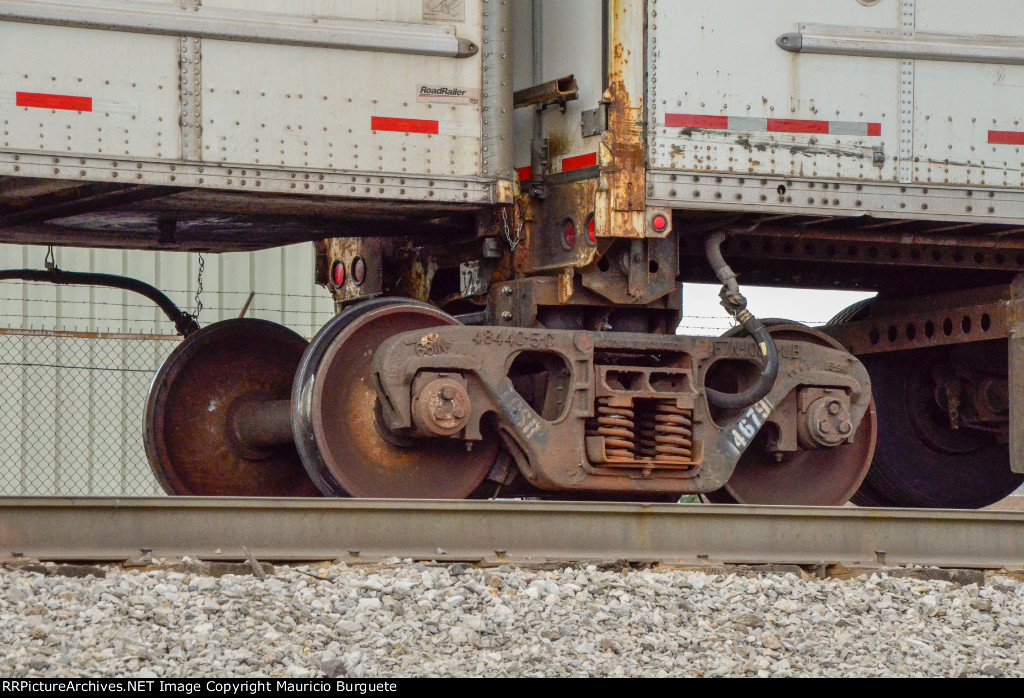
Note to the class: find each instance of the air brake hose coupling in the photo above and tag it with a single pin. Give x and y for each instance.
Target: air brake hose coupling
(736, 305)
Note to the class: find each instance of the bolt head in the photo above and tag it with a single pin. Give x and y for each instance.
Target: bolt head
(583, 342)
(834, 407)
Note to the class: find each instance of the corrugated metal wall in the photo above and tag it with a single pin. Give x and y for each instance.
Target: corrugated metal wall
(281, 278)
(71, 408)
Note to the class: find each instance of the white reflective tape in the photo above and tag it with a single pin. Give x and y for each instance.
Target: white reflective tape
(746, 123)
(847, 128)
(461, 129)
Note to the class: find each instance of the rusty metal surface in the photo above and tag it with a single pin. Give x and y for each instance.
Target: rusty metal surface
(557, 91)
(551, 446)
(346, 251)
(815, 477)
(261, 424)
(521, 302)
(635, 272)
(440, 404)
(75, 334)
(930, 321)
(366, 531)
(541, 248)
(335, 414)
(622, 192)
(190, 439)
(152, 217)
(884, 243)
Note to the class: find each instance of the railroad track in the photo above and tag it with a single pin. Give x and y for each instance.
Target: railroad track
(115, 530)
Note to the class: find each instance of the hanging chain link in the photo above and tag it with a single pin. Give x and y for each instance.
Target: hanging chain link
(50, 262)
(199, 289)
(512, 244)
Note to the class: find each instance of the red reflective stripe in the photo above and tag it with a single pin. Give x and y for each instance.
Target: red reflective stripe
(44, 101)
(579, 162)
(797, 126)
(722, 123)
(386, 123)
(696, 121)
(525, 173)
(1006, 137)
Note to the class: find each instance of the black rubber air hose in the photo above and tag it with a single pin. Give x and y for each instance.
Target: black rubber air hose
(736, 305)
(184, 323)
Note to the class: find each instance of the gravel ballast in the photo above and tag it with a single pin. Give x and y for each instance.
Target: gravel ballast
(405, 619)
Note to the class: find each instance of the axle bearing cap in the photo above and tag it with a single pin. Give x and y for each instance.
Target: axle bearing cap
(828, 422)
(441, 407)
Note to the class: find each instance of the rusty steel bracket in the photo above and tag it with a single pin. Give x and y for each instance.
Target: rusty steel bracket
(540, 166)
(550, 93)
(520, 302)
(543, 248)
(594, 122)
(550, 443)
(930, 321)
(635, 271)
(351, 253)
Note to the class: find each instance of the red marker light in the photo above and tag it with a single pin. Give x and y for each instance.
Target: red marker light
(358, 271)
(659, 222)
(568, 234)
(338, 273)
(591, 230)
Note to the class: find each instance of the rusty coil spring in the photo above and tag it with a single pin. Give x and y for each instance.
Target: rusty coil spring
(616, 425)
(673, 432)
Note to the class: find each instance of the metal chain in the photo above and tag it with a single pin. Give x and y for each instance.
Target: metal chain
(50, 262)
(512, 244)
(199, 289)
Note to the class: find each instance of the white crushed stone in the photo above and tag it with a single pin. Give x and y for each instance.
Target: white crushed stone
(407, 619)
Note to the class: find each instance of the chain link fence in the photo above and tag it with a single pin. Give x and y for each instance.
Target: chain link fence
(71, 412)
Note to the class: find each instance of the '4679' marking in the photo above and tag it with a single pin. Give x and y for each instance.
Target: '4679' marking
(749, 424)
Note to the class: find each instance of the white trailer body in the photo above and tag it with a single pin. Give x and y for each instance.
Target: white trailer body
(912, 108)
(902, 108)
(400, 101)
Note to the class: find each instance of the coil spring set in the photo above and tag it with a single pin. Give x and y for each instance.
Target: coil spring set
(655, 430)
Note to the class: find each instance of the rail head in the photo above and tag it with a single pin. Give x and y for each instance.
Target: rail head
(116, 529)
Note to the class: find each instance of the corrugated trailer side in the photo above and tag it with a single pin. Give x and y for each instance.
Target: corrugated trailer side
(903, 109)
(202, 113)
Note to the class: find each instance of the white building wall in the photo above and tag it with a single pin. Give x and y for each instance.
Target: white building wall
(282, 279)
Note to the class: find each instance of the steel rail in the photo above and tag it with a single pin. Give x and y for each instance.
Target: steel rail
(77, 529)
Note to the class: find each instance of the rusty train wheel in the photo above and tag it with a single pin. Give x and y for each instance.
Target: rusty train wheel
(189, 437)
(824, 477)
(334, 409)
